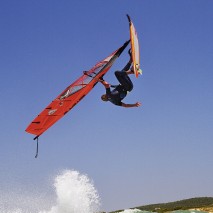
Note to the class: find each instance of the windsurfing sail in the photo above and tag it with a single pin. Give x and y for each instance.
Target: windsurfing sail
(134, 47)
(72, 95)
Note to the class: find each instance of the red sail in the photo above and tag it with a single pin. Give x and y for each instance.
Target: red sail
(72, 95)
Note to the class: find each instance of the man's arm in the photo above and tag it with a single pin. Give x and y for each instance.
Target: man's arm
(137, 104)
(106, 84)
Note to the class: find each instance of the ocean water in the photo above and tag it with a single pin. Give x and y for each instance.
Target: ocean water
(75, 193)
(134, 211)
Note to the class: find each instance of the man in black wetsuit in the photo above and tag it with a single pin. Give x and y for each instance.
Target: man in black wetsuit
(119, 93)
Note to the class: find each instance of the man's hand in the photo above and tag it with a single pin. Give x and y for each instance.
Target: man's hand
(101, 79)
(130, 52)
(130, 55)
(137, 104)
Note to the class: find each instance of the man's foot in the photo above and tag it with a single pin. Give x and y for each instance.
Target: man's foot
(140, 71)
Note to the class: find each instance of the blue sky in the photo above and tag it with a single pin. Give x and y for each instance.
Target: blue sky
(159, 152)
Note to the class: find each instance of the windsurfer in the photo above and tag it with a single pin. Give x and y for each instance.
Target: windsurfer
(120, 91)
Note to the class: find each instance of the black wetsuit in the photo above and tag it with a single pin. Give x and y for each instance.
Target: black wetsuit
(119, 93)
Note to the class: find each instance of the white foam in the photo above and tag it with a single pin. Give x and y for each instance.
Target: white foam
(75, 193)
(131, 211)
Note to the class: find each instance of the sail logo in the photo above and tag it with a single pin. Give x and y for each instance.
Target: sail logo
(51, 112)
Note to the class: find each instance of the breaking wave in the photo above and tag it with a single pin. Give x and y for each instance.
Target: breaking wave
(75, 193)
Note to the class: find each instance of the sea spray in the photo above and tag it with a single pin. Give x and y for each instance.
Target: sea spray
(24, 199)
(75, 194)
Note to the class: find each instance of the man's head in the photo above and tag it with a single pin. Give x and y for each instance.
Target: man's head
(104, 97)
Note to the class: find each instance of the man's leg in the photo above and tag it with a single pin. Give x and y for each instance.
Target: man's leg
(124, 80)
